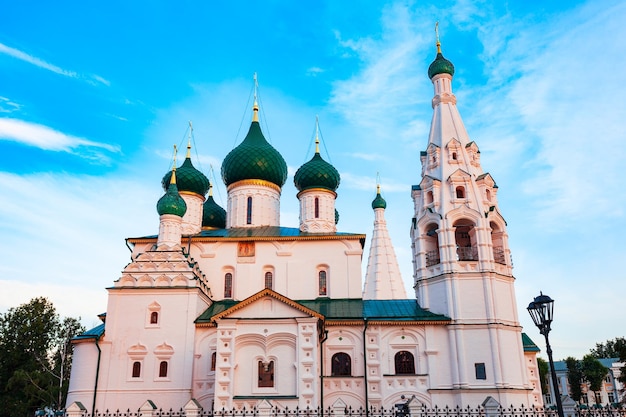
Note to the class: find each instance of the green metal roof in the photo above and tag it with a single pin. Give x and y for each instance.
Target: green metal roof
(188, 178)
(316, 173)
(256, 159)
(529, 345)
(94, 333)
(348, 309)
(171, 203)
(212, 214)
(263, 232)
(379, 202)
(440, 66)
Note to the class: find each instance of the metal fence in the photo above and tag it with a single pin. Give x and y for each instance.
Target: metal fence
(605, 411)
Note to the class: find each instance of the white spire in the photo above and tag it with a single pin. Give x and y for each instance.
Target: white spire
(383, 280)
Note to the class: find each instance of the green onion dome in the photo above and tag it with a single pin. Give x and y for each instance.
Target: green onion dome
(379, 201)
(316, 173)
(213, 216)
(188, 178)
(172, 202)
(254, 159)
(440, 65)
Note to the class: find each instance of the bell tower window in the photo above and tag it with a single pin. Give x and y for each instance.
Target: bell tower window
(465, 237)
(460, 192)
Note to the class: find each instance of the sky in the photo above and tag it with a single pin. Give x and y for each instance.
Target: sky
(93, 95)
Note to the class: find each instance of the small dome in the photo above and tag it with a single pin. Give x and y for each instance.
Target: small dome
(213, 216)
(254, 159)
(379, 201)
(316, 173)
(188, 179)
(172, 202)
(440, 66)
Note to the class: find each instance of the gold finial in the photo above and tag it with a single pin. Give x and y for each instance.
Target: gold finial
(437, 35)
(173, 179)
(377, 182)
(255, 106)
(317, 134)
(210, 189)
(189, 141)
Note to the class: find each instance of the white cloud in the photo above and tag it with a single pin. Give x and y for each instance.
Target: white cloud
(23, 56)
(8, 106)
(46, 138)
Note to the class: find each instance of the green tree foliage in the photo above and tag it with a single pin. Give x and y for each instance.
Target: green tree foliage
(36, 357)
(615, 348)
(574, 377)
(544, 368)
(593, 372)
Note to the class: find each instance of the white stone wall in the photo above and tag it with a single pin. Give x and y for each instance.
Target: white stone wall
(265, 205)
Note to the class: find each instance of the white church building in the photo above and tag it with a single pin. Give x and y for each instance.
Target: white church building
(227, 308)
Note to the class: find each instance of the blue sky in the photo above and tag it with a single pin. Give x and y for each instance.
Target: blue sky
(93, 96)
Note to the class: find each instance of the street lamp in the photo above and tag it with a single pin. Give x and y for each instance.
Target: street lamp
(540, 310)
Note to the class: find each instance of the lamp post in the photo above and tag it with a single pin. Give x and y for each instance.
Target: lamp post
(540, 310)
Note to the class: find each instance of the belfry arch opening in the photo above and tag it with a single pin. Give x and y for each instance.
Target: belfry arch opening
(465, 238)
(497, 243)
(431, 245)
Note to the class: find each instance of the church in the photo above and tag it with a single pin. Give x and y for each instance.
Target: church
(227, 308)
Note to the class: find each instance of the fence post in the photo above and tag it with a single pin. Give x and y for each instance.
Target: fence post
(76, 409)
(569, 406)
(491, 406)
(192, 408)
(148, 409)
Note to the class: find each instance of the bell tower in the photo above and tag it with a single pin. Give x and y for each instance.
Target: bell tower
(461, 256)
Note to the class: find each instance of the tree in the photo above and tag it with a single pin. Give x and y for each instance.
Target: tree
(593, 372)
(36, 357)
(544, 368)
(615, 348)
(574, 377)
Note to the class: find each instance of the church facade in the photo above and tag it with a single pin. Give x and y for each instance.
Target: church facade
(227, 308)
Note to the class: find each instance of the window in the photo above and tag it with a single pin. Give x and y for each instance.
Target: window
(598, 398)
(405, 363)
(163, 369)
(454, 156)
(611, 396)
(322, 283)
(266, 374)
(341, 364)
(268, 280)
(249, 211)
(317, 207)
(213, 360)
(154, 317)
(480, 371)
(136, 369)
(460, 192)
(228, 285)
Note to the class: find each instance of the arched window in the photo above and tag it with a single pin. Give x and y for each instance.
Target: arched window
(322, 283)
(266, 374)
(431, 245)
(317, 207)
(488, 194)
(460, 192)
(249, 211)
(268, 280)
(163, 369)
(454, 156)
(154, 317)
(136, 369)
(228, 285)
(405, 363)
(213, 360)
(341, 364)
(464, 235)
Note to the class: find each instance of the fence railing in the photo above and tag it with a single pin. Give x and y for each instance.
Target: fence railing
(399, 411)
